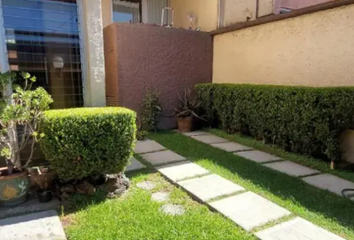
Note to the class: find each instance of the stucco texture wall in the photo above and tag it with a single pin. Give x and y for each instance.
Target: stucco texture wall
(205, 13)
(166, 60)
(309, 50)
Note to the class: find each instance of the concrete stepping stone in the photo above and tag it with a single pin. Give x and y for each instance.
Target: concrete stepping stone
(134, 165)
(209, 187)
(329, 182)
(209, 139)
(258, 156)
(147, 185)
(163, 157)
(160, 196)
(231, 147)
(172, 209)
(195, 133)
(249, 210)
(36, 226)
(291, 168)
(182, 170)
(146, 146)
(297, 228)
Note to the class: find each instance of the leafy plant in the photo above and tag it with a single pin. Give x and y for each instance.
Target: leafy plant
(151, 109)
(20, 108)
(299, 119)
(188, 106)
(84, 142)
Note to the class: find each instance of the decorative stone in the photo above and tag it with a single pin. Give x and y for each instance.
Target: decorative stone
(258, 156)
(291, 168)
(195, 133)
(160, 196)
(249, 210)
(146, 146)
(43, 225)
(231, 147)
(162, 157)
(172, 209)
(182, 170)
(85, 188)
(329, 182)
(297, 228)
(116, 185)
(147, 185)
(209, 139)
(209, 187)
(134, 165)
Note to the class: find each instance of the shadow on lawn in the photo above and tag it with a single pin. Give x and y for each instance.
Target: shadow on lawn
(282, 186)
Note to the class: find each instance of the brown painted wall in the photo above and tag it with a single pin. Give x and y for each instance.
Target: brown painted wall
(167, 60)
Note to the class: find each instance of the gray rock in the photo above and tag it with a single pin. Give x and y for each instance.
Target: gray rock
(116, 185)
(147, 185)
(160, 196)
(172, 209)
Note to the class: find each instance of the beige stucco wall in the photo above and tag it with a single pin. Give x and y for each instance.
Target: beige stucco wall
(313, 50)
(205, 13)
(93, 55)
(107, 17)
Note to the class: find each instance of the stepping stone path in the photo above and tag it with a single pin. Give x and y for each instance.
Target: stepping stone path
(209, 187)
(195, 133)
(292, 169)
(231, 147)
(163, 157)
(146, 146)
(134, 165)
(258, 156)
(160, 196)
(209, 139)
(172, 209)
(249, 210)
(246, 209)
(178, 171)
(329, 182)
(147, 185)
(297, 228)
(36, 226)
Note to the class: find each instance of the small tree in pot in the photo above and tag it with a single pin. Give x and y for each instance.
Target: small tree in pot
(20, 109)
(186, 111)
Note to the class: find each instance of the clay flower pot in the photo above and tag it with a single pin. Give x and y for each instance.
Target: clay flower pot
(14, 188)
(185, 124)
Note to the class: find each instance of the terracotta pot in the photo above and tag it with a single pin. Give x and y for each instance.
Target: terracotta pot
(44, 180)
(14, 188)
(185, 124)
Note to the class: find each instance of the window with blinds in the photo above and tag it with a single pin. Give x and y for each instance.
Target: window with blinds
(43, 38)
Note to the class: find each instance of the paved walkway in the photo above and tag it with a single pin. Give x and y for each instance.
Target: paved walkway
(36, 226)
(245, 208)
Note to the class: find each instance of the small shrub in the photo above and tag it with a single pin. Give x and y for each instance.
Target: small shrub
(299, 119)
(151, 110)
(88, 141)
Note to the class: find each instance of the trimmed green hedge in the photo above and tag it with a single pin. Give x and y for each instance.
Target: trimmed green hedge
(87, 141)
(299, 119)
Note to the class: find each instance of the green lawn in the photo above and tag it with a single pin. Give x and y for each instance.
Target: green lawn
(135, 217)
(301, 159)
(318, 206)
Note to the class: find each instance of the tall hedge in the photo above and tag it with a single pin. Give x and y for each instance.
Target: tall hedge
(299, 119)
(87, 141)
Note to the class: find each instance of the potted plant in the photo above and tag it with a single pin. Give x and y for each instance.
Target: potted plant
(20, 112)
(186, 111)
